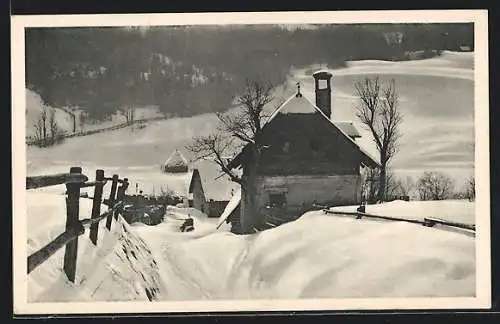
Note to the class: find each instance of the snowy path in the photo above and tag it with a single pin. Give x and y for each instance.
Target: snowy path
(317, 256)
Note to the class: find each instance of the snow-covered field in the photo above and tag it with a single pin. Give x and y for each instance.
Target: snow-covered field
(317, 256)
(436, 98)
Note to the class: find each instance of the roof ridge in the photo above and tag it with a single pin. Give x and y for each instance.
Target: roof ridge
(275, 113)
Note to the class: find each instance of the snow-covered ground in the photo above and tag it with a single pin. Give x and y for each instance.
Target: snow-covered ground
(460, 211)
(317, 256)
(120, 267)
(436, 98)
(34, 105)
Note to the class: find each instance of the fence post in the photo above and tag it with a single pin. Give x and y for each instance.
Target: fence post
(121, 195)
(72, 220)
(96, 204)
(112, 198)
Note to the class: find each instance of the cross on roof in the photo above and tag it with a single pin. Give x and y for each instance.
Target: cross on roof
(298, 90)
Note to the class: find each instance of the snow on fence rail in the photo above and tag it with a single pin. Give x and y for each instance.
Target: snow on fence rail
(74, 181)
(427, 221)
(33, 141)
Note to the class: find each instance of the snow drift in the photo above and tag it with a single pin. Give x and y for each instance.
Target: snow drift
(460, 211)
(120, 267)
(317, 256)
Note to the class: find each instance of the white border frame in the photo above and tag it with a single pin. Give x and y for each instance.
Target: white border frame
(481, 101)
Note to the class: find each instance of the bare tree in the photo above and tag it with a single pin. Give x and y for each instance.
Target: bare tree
(41, 127)
(395, 187)
(378, 110)
(53, 126)
(470, 189)
(370, 185)
(435, 186)
(242, 128)
(82, 118)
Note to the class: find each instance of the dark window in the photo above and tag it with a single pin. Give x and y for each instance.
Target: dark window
(277, 199)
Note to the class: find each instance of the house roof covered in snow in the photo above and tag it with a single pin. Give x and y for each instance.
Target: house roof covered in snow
(299, 104)
(348, 128)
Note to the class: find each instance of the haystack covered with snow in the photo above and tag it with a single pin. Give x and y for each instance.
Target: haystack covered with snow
(176, 162)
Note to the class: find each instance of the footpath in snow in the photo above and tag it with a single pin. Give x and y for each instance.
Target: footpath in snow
(317, 256)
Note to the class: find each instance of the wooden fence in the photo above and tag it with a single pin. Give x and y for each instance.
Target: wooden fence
(426, 221)
(74, 181)
(33, 141)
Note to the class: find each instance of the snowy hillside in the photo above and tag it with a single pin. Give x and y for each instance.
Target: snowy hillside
(317, 256)
(64, 120)
(436, 98)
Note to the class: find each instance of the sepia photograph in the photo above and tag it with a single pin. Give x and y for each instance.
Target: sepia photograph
(250, 162)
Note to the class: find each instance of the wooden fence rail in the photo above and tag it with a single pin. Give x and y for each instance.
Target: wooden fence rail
(427, 221)
(54, 180)
(74, 181)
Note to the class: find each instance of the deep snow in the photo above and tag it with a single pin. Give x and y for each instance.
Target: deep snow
(120, 267)
(461, 211)
(317, 256)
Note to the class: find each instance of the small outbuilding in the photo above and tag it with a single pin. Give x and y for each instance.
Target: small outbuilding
(183, 182)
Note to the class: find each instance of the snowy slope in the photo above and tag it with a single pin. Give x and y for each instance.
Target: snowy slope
(121, 267)
(436, 98)
(452, 210)
(317, 256)
(34, 106)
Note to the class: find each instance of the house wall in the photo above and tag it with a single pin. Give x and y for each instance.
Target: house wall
(310, 161)
(302, 191)
(299, 190)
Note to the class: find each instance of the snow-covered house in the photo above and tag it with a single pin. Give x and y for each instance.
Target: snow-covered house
(310, 159)
(183, 182)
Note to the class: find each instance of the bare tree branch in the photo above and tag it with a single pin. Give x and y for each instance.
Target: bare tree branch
(214, 147)
(378, 111)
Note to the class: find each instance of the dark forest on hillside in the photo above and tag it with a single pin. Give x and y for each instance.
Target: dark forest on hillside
(190, 70)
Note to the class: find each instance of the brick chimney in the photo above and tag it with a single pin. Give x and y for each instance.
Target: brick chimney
(322, 82)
